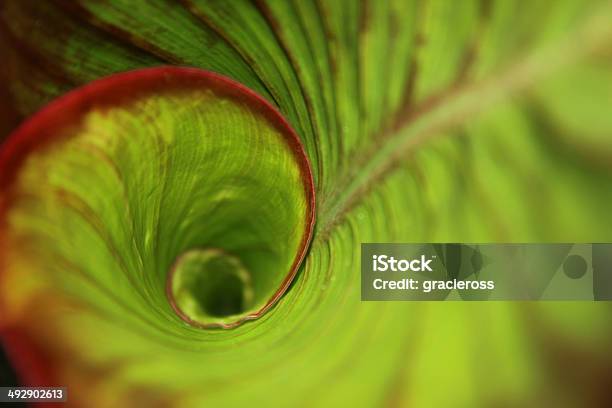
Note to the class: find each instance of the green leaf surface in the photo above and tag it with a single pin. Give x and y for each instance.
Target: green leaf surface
(422, 121)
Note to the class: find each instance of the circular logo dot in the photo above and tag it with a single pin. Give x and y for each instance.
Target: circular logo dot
(575, 266)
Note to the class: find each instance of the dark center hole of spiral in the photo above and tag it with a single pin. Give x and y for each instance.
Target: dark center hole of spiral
(218, 290)
(210, 283)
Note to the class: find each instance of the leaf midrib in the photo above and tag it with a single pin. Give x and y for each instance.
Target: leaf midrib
(452, 109)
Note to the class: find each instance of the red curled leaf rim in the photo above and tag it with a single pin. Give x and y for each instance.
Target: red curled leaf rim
(45, 127)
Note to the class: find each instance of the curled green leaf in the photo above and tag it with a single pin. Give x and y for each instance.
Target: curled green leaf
(146, 167)
(422, 121)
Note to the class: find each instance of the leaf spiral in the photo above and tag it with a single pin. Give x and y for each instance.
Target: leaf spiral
(116, 180)
(430, 121)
